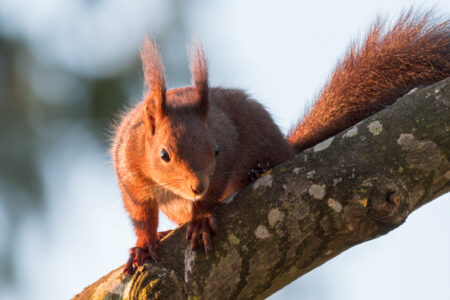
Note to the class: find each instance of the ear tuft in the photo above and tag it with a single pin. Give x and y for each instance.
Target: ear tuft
(152, 66)
(155, 103)
(199, 70)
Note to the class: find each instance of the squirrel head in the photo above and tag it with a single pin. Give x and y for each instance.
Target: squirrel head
(181, 151)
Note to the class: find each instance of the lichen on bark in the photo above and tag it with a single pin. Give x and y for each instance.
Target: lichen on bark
(356, 186)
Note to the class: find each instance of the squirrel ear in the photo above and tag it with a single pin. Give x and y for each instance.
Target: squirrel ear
(199, 70)
(155, 103)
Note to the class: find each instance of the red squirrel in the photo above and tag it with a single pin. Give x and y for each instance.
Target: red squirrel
(185, 150)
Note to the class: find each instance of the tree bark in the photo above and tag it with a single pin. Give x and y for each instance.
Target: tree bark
(349, 189)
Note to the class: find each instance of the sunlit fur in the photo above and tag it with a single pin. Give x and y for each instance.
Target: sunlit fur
(415, 51)
(188, 140)
(189, 122)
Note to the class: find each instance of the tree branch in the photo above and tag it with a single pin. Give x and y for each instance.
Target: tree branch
(351, 188)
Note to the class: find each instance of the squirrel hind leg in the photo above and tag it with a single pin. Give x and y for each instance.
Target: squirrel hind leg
(259, 171)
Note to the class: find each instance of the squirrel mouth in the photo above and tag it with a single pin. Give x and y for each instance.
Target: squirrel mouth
(196, 196)
(199, 196)
(190, 196)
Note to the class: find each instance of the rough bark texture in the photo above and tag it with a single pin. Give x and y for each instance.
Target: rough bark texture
(351, 188)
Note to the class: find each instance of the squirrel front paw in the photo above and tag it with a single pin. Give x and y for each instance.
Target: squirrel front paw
(202, 228)
(138, 255)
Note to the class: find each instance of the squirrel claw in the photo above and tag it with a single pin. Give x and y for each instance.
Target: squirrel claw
(138, 255)
(203, 228)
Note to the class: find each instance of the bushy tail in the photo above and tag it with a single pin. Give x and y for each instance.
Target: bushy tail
(414, 52)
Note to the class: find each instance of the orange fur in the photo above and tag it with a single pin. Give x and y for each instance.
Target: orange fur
(165, 152)
(414, 52)
(186, 124)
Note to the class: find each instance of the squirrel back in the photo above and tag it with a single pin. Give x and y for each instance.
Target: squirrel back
(388, 64)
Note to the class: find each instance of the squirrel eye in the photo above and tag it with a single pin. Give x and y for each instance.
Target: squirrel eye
(216, 151)
(164, 155)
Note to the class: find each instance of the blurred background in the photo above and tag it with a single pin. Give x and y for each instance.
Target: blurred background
(67, 68)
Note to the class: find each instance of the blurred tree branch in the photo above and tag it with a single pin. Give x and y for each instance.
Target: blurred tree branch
(354, 187)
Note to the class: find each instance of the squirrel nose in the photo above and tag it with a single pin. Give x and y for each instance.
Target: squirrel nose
(199, 188)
